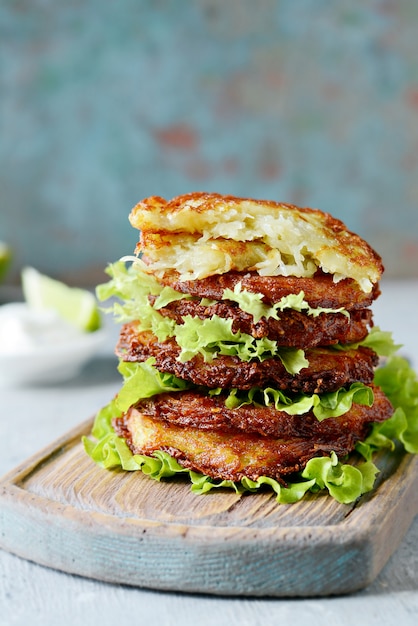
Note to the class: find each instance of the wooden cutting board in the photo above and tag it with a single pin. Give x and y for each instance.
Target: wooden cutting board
(60, 510)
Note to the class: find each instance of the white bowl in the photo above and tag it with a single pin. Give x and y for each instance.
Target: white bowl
(54, 353)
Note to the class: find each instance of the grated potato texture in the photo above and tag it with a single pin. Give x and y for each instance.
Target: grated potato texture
(201, 234)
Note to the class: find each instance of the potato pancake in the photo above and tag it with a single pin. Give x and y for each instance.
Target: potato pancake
(328, 370)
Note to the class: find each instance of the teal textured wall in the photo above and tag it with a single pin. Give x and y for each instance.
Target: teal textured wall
(104, 103)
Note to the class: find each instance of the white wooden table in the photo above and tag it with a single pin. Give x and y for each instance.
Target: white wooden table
(31, 418)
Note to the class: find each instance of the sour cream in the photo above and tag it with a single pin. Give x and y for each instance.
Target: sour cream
(23, 329)
(40, 347)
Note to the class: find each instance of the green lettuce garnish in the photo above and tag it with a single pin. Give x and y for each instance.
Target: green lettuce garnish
(131, 286)
(214, 336)
(143, 380)
(381, 341)
(211, 337)
(400, 384)
(253, 303)
(344, 482)
(323, 406)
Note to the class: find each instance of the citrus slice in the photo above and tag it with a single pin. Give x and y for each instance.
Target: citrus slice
(76, 306)
(5, 256)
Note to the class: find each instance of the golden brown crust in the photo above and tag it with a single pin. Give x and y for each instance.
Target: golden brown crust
(320, 290)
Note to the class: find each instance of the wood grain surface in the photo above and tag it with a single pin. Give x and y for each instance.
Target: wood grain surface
(61, 510)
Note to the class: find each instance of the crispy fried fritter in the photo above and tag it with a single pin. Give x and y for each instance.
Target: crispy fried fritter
(319, 290)
(226, 455)
(329, 369)
(292, 329)
(196, 409)
(289, 240)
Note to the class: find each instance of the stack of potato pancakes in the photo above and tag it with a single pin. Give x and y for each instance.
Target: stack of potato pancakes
(259, 312)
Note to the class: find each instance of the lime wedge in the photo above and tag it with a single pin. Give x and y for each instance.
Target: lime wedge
(5, 257)
(76, 306)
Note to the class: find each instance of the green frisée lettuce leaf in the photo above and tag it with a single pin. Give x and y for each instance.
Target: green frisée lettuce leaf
(323, 406)
(380, 341)
(253, 303)
(400, 384)
(108, 450)
(344, 482)
(143, 380)
(131, 285)
(214, 336)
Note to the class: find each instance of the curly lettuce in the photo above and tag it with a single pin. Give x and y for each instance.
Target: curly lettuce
(253, 303)
(143, 380)
(214, 336)
(323, 406)
(400, 384)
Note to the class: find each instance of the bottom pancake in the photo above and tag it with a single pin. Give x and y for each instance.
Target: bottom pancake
(292, 328)
(233, 454)
(197, 409)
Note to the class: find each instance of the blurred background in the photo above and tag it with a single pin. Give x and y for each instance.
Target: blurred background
(103, 103)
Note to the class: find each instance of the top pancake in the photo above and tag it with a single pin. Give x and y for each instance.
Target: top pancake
(204, 234)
